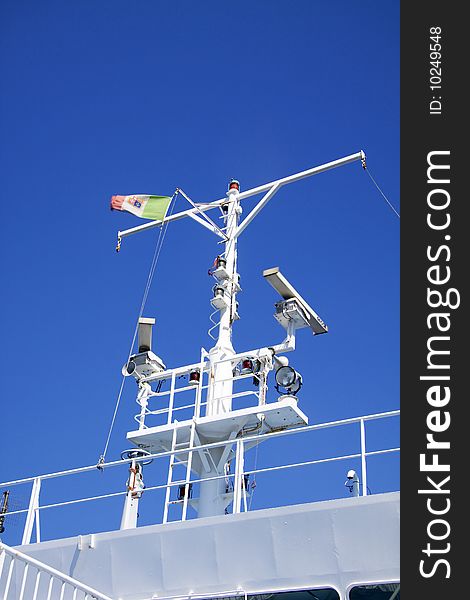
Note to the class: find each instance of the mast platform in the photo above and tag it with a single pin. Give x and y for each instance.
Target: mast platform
(283, 414)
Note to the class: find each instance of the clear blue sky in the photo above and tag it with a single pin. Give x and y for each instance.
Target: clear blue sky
(102, 98)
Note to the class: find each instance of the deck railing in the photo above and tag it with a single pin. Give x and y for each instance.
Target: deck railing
(38, 581)
(237, 479)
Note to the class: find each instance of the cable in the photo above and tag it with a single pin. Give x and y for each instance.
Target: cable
(253, 483)
(366, 169)
(156, 255)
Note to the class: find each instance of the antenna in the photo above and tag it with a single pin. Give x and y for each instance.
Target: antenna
(294, 308)
(145, 334)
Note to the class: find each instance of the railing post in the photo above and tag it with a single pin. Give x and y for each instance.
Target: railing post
(197, 407)
(32, 509)
(172, 398)
(363, 458)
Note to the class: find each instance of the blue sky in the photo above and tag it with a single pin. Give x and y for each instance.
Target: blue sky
(119, 98)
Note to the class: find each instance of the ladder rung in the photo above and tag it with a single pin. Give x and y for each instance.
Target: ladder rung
(180, 482)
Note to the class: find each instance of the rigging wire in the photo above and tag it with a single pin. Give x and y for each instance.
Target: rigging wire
(153, 265)
(366, 169)
(253, 483)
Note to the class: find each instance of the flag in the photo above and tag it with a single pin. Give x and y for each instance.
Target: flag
(145, 207)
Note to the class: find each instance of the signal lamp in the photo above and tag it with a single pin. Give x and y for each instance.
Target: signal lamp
(194, 377)
(250, 366)
(221, 262)
(234, 185)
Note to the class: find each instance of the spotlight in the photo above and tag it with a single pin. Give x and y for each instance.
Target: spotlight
(289, 379)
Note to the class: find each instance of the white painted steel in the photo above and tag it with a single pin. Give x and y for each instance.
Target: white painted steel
(6, 591)
(23, 582)
(220, 478)
(33, 505)
(363, 458)
(273, 435)
(206, 225)
(262, 188)
(36, 585)
(30, 561)
(237, 484)
(219, 393)
(49, 587)
(206, 218)
(257, 209)
(131, 502)
(172, 397)
(294, 547)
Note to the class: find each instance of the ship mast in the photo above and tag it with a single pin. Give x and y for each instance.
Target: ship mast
(220, 422)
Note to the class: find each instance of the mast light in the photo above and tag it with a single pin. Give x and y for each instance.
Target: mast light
(194, 377)
(234, 184)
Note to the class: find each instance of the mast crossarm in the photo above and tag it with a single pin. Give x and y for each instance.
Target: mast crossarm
(206, 221)
(207, 225)
(248, 193)
(257, 209)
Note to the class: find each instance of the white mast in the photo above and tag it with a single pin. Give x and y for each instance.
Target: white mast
(219, 397)
(210, 464)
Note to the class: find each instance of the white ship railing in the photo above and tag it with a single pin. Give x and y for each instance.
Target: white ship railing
(238, 477)
(29, 581)
(198, 389)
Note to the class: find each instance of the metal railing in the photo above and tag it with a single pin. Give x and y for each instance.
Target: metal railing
(199, 389)
(29, 579)
(238, 477)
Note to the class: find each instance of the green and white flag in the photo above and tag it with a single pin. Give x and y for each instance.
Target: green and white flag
(140, 205)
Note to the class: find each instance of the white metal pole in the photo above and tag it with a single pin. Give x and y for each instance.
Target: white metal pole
(134, 491)
(220, 389)
(363, 459)
(33, 505)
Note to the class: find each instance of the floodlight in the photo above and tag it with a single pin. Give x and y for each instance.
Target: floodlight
(285, 376)
(289, 379)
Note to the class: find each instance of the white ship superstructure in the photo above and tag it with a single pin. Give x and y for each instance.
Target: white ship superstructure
(196, 425)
